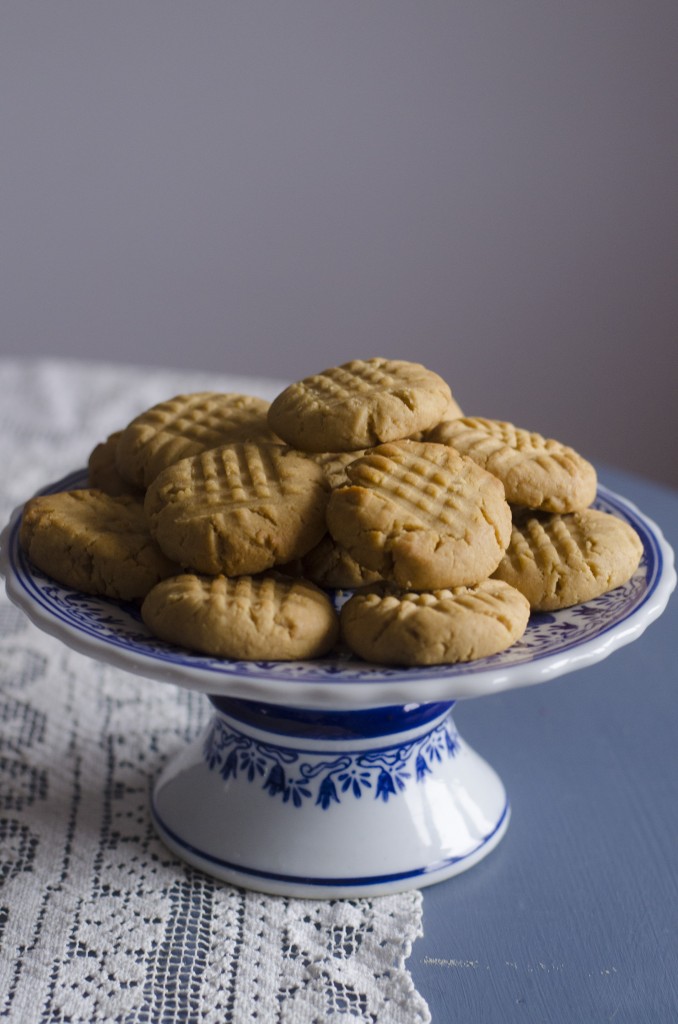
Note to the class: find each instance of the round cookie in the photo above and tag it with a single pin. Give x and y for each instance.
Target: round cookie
(421, 515)
(268, 617)
(334, 464)
(102, 469)
(436, 627)
(94, 542)
(452, 412)
(359, 404)
(187, 425)
(536, 472)
(557, 561)
(328, 564)
(239, 509)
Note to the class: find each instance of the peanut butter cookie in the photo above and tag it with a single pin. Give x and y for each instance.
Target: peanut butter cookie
(268, 617)
(102, 470)
(187, 425)
(94, 542)
(334, 464)
(330, 565)
(436, 627)
(359, 404)
(536, 472)
(238, 509)
(421, 515)
(557, 561)
(453, 412)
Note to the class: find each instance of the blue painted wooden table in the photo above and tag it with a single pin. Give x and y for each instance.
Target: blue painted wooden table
(574, 917)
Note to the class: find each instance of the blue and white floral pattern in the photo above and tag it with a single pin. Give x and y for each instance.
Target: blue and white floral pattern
(300, 778)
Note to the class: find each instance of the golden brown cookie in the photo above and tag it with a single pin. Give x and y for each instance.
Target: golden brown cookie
(359, 404)
(452, 412)
(238, 509)
(102, 469)
(536, 472)
(330, 565)
(557, 561)
(267, 617)
(435, 627)
(187, 425)
(334, 464)
(421, 515)
(94, 542)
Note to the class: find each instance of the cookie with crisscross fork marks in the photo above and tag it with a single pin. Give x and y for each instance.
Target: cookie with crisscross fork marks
(557, 561)
(359, 404)
(102, 469)
(334, 465)
(422, 515)
(329, 564)
(249, 618)
(188, 425)
(537, 472)
(434, 627)
(238, 509)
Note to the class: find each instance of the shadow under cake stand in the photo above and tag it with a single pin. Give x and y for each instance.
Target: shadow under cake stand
(335, 778)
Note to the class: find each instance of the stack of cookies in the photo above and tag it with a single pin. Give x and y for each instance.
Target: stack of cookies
(230, 520)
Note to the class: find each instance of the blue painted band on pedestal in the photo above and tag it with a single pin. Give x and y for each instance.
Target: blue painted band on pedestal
(327, 777)
(324, 724)
(189, 850)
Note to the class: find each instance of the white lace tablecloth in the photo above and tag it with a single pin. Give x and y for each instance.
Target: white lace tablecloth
(98, 922)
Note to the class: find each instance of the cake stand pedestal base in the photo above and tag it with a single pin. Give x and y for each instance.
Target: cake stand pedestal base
(326, 804)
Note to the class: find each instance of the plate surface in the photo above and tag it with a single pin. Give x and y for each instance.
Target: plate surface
(554, 643)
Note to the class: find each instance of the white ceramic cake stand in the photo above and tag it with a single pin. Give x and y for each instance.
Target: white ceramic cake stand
(335, 778)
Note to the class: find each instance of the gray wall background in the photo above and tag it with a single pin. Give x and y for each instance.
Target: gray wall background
(490, 188)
